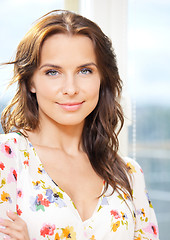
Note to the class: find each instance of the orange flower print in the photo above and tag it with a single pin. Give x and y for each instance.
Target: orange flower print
(143, 212)
(5, 197)
(126, 196)
(36, 184)
(124, 215)
(57, 237)
(47, 229)
(115, 226)
(138, 238)
(131, 167)
(26, 163)
(93, 238)
(68, 233)
(41, 171)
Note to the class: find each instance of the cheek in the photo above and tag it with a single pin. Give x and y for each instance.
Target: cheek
(94, 90)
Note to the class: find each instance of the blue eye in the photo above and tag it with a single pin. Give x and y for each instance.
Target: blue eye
(52, 72)
(86, 71)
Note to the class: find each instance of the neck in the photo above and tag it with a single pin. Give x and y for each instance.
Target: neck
(66, 138)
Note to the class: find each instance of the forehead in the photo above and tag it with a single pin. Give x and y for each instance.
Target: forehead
(64, 46)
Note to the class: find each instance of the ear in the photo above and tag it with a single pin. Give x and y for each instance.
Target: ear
(32, 87)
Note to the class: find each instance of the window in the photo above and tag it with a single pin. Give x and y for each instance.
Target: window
(149, 84)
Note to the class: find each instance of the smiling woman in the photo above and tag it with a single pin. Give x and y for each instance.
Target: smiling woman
(67, 91)
(59, 165)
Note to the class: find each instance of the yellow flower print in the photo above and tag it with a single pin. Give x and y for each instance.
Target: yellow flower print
(93, 238)
(68, 233)
(3, 182)
(115, 226)
(131, 167)
(5, 197)
(27, 155)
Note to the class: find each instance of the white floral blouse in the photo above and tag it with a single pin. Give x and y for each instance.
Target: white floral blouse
(25, 187)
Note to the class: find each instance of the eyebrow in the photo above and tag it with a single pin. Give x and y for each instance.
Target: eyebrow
(56, 66)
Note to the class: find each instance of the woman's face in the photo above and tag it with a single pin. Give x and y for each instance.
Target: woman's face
(67, 81)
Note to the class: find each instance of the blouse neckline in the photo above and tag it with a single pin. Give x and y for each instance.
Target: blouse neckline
(53, 183)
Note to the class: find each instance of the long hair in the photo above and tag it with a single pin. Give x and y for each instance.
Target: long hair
(102, 126)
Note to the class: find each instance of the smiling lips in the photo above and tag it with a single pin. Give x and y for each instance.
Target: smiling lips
(71, 106)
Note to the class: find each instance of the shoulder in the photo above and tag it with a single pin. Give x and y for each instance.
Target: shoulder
(136, 173)
(9, 144)
(9, 136)
(132, 165)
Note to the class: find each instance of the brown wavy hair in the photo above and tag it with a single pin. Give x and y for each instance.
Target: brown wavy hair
(102, 126)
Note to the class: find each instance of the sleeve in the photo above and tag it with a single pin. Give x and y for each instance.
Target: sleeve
(8, 174)
(146, 226)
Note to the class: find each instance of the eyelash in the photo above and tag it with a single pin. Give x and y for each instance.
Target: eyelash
(83, 71)
(51, 71)
(86, 71)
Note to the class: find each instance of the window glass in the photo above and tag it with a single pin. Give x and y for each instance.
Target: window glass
(149, 84)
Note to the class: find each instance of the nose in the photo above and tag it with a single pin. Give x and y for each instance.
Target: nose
(70, 86)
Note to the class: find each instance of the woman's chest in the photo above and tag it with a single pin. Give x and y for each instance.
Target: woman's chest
(50, 213)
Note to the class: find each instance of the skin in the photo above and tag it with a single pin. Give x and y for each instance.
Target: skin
(15, 228)
(67, 84)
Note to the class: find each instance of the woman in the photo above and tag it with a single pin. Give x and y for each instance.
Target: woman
(59, 166)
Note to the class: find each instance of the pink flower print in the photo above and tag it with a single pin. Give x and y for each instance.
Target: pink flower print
(7, 150)
(115, 214)
(151, 228)
(39, 203)
(44, 201)
(19, 193)
(47, 229)
(12, 176)
(2, 166)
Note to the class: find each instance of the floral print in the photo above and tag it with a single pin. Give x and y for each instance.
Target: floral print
(39, 203)
(47, 229)
(64, 233)
(12, 176)
(5, 197)
(49, 212)
(121, 217)
(7, 150)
